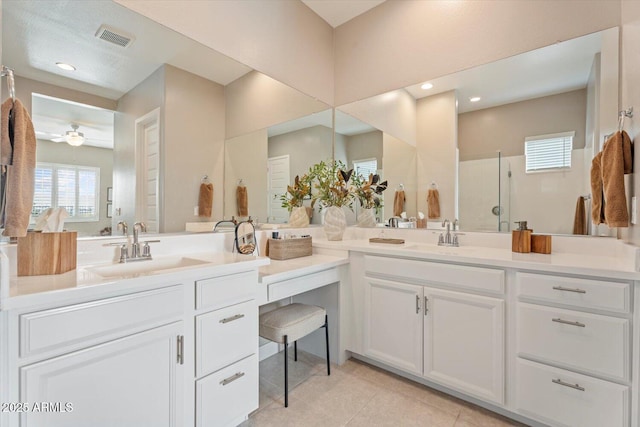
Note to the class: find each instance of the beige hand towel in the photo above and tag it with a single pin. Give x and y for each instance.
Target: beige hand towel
(205, 200)
(579, 220)
(242, 201)
(433, 203)
(398, 203)
(21, 165)
(617, 160)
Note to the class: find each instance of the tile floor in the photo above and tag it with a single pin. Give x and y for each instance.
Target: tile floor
(357, 394)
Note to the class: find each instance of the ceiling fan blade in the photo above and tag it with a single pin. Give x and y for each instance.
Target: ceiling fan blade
(59, 139)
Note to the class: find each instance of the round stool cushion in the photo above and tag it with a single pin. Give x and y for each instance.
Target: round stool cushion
(294, 320)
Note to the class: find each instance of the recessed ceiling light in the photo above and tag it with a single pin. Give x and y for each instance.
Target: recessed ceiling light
(66, 67)
(426, 86)
(474, 99)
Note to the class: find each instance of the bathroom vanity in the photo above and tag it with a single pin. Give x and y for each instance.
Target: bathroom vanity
(544, 339)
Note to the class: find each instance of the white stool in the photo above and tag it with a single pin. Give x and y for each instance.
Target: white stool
(290, 323)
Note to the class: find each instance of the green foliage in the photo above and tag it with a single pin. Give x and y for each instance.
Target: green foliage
(295, 194)
(332, 184)
(367, 191)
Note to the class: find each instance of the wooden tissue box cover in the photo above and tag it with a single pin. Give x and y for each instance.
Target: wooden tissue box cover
(541, 243)
(47, 253)
(281, 249)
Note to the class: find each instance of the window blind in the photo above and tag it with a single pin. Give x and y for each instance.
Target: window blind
(548, 152)
(365, 167)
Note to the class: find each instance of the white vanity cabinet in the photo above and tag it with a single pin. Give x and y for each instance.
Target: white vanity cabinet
(112, 361)
(226, 332)
(419, 318)
(573, 347)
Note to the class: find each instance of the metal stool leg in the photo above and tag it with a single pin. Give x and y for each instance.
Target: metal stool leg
(326, 330)
(295, 351)
(286, 374)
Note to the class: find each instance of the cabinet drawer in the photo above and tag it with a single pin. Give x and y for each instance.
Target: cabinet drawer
(589, 342)
(77, 325)
(477, 278)
(223, 398)
(225, 336)
(599, 294)
(298, 285)
(218, 292)
(559, 397)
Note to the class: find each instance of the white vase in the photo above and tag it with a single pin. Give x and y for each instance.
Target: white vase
(334, 223)
(299, 217)
(367, 218)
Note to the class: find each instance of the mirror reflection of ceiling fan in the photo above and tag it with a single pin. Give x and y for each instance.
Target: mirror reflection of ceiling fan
(72, 137)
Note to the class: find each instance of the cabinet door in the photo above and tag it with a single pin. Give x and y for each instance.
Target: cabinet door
(393, 324)
(464, 343)
(134, 381)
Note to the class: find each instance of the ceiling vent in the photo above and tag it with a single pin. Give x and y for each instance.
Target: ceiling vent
(114, 36)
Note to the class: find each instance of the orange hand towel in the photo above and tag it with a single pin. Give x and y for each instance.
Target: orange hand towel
(433, 203)
(398, 203)
(242, 200)
(579, 221)
(617, 160)
(20, 166)
(205, 200)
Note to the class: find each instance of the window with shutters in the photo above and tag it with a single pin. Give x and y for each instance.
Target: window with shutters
(548, 152)
(75, 188)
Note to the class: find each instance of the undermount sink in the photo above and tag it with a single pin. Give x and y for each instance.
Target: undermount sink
(144, 267)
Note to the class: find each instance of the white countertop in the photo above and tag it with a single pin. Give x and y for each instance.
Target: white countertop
(86, 280)
(569, 263)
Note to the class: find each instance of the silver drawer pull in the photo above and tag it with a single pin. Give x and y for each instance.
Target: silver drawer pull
(568, 322)
(576, 290)
(232, 378)
(573, 386)
(232, 318)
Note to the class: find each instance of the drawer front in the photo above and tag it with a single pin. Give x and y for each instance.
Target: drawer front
(590, 342)
(225, 336)
(599, 294)
(298, 285)
(226, 396)
(558, 397)
(77, 325)
(222, 291)
(477, 278)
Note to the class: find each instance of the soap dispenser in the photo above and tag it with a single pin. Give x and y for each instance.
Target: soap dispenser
(521, 238)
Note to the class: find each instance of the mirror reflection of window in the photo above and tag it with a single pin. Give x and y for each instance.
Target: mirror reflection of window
(74, 161)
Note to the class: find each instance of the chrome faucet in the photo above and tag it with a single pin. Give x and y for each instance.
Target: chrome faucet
(448, 239)
(135, 246)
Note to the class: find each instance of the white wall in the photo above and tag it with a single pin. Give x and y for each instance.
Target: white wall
(283, 39)
(400, 43)
(437, 142)
(399, 168)
(256, 101)
(393, 112)
(194, 134)
(246, 159)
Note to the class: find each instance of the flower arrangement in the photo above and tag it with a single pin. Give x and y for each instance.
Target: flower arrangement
(295, 194)
(368, 191)
(332, 184)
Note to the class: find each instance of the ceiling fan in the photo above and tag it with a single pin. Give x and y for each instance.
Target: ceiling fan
(71, 137)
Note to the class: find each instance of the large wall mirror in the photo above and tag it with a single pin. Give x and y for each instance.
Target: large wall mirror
(171, 102)
(469, 130)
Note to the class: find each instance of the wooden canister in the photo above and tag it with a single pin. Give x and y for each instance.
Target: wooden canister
(47, 253)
